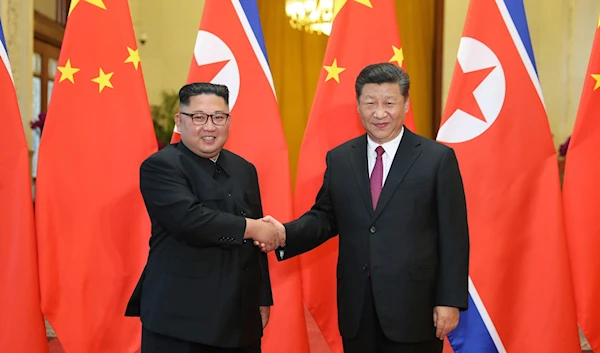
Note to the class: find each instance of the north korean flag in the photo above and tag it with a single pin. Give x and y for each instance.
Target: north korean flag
(521, 297)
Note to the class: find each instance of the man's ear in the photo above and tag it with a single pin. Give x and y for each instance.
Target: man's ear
(177, 119)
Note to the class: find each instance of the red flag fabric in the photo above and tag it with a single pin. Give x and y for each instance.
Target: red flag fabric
(496, 122)
(581, 198)
(234, 55)
(334, 120)
(93, 228)
(22, 326)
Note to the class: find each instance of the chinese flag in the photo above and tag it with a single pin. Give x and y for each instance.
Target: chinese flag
(334, 120)
(93, 228)
(235, 55)
(581, 197)
(22, 325)
(520, 290)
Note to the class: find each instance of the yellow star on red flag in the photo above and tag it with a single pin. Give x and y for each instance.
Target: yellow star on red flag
(333, 71)
(597, 78)
(134, 57)
(103, 80)
(398, 55)
(98, 3)
(367, 3)
(67, 72)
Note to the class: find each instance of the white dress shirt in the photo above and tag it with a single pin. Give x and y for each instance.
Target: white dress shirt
(390, 149)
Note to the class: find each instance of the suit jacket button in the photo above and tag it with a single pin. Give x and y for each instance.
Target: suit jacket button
(243, 213)
(372, 230)
(365, 267)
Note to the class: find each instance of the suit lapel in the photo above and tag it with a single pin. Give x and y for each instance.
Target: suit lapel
(407, 153)
(360, 170)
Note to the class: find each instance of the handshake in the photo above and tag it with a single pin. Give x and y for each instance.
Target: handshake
(267, 233)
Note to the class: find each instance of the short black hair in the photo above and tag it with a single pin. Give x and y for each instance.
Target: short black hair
(198, 88)
(382, 73)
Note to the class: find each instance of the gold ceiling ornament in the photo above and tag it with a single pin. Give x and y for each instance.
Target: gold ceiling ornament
(313, 16)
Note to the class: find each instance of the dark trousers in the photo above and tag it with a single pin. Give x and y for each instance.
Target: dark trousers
(155, 343)
(371, 339)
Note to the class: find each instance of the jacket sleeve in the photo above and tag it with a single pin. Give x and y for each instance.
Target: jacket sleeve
(170, 201)
(453, 235)
(315, 226)
(266, 296)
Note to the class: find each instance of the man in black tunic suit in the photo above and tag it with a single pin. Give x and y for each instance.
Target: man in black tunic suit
(205, 287)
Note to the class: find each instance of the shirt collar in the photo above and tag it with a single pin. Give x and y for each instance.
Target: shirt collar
(390, 147)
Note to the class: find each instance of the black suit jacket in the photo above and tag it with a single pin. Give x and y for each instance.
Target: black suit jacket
(203, 282)
(415, 244)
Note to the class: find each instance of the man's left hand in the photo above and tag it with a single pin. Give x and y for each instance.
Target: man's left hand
(265, 311)
(445, 319)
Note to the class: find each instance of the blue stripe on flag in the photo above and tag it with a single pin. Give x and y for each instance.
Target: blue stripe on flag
(2, 39)
(516, 9)
(471, 335)
(251, 10)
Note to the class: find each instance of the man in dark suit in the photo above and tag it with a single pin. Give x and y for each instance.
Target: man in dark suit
(205, 287)
(397, 202)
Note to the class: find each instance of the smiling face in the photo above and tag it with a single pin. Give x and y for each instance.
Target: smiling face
(198, 132)
(382, 110)
(382, 100)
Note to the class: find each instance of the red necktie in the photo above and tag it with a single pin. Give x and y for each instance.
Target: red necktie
(377, 177)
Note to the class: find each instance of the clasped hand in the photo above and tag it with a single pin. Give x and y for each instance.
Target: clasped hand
(268, 234)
